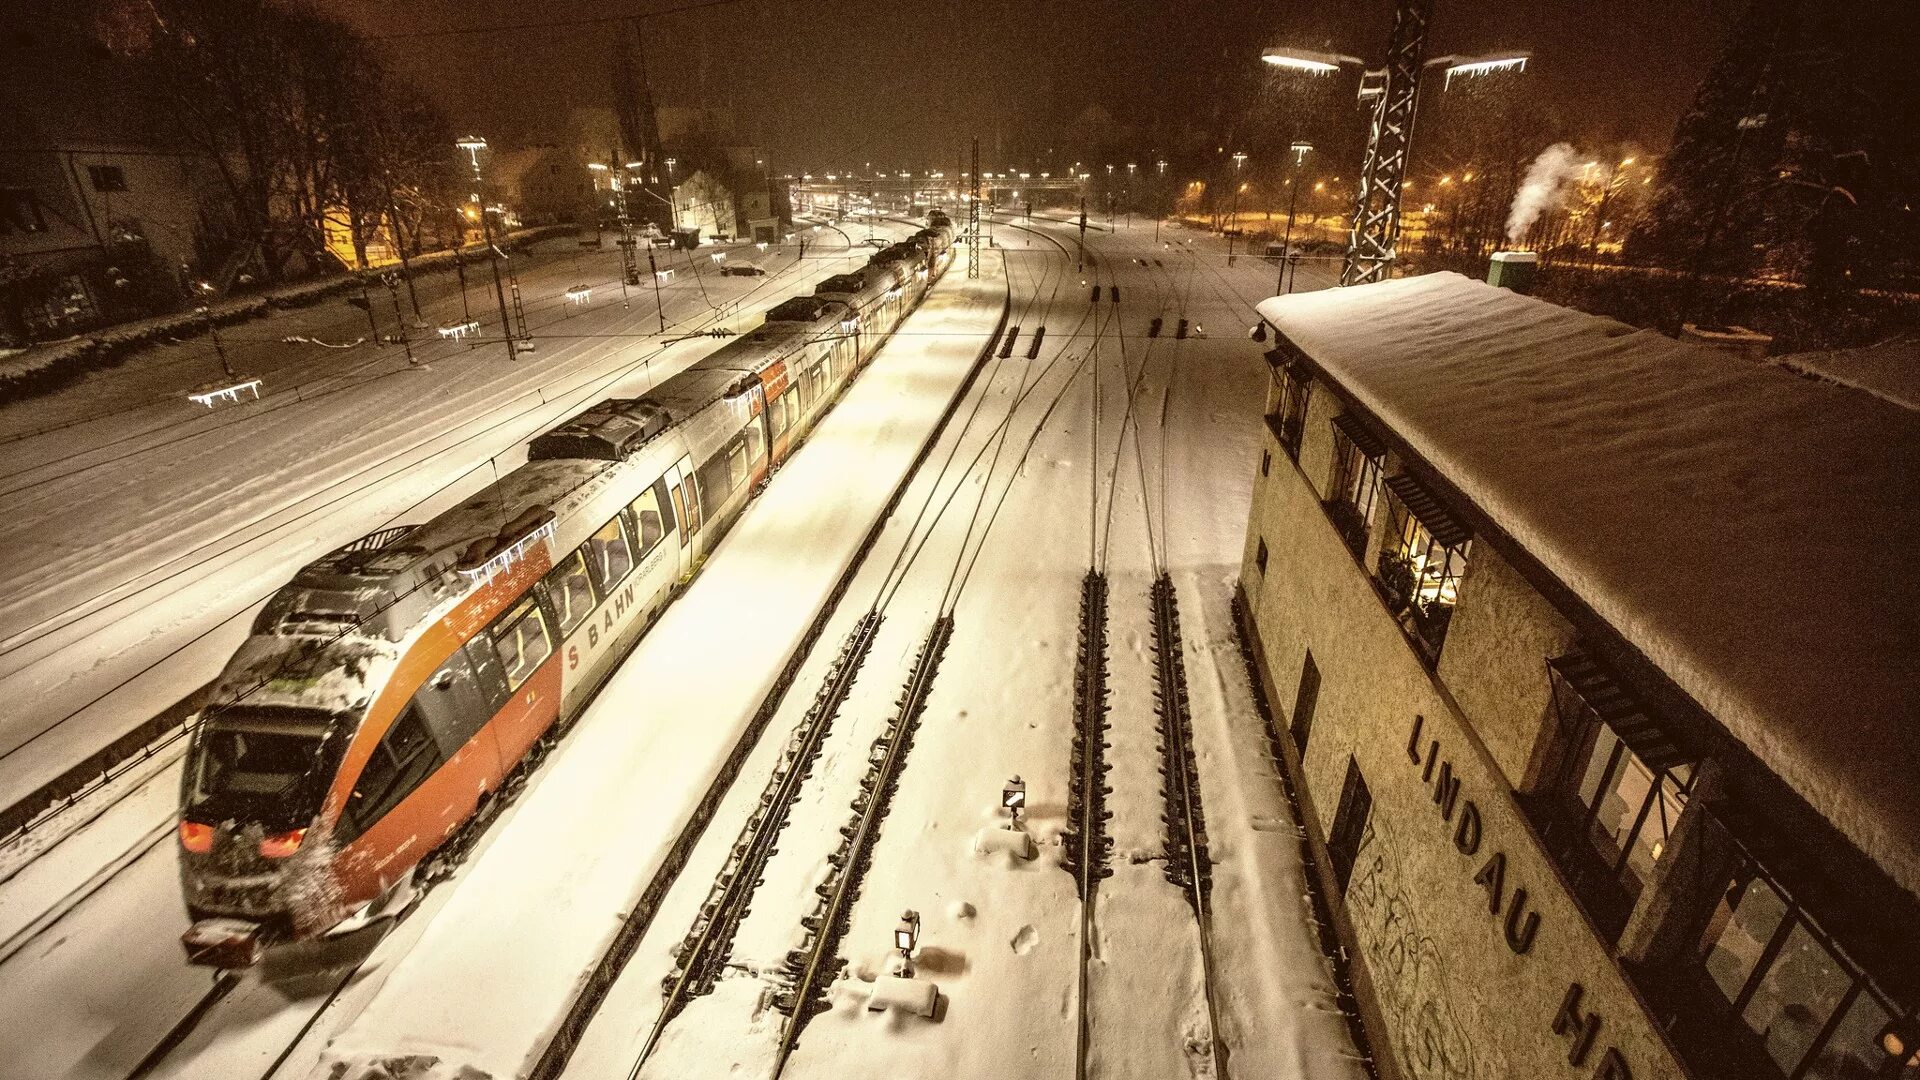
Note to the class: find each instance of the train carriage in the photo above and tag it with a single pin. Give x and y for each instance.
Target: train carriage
(396, 683)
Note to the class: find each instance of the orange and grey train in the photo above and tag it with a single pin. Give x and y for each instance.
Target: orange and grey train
(396, 683)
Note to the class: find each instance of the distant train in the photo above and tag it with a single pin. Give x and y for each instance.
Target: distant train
(397, 682)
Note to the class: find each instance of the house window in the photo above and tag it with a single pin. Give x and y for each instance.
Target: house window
(1260, 556)
(1305, 701)
(1292, 386)
(1421, 563)
(20, 212)
(1266, 462)
(1350, 824)
(1621, 787)
(107, 177)
(1810, 1012)
(1359, 460)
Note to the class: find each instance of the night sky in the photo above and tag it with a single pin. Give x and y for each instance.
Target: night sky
(824, 83)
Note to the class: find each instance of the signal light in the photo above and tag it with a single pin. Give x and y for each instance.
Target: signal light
(283, 845)
(195, 837)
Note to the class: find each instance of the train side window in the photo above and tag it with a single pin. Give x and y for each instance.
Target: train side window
(609, 555)
(756, 442)
(487, 672)
(404, 759)
(777, 415)
(738, 464)
(647, 519)
(453, 704)
(522, 639)
(570, 587)
(713, 477)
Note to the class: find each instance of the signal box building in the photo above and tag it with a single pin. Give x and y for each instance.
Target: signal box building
(1594, 656)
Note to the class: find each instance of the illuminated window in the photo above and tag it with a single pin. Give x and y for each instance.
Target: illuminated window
(1421, 563)
(1622, 784)
(609, 556)
(1810, 1012)
(647, 519)
(1359, 460)
(570, 587)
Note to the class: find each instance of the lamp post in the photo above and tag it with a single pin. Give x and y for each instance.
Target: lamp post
(473, 144)
(1239, 159)
(1160, 198)
(1287, 257)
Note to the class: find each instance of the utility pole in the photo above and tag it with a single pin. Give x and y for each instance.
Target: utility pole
(473, 145)
(973, 214)
(1376, 211)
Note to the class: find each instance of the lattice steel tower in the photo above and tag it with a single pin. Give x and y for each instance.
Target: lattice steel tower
(1376, 211)
(973, 213)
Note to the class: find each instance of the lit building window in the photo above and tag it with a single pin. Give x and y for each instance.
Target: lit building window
(1421, 563)
(1359, 460)
(1810, 1013)
(1621, 788)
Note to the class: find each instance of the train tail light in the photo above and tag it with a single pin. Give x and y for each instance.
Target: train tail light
(196, 837)
(283, 844)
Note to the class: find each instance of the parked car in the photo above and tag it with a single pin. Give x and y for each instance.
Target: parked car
(743, 270)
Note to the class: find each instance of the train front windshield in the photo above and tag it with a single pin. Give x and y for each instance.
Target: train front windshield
(262, 766)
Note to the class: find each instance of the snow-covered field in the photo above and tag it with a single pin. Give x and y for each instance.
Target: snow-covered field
(480, 976)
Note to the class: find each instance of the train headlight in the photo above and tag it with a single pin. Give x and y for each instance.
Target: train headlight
(282, 845)
(196, 837)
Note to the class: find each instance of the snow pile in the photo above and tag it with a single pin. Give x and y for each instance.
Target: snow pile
(1747, 530)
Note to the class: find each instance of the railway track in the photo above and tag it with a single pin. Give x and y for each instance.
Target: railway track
(1186, 862)
(808, 971)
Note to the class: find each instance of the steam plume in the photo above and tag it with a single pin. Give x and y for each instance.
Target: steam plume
(1541, 190)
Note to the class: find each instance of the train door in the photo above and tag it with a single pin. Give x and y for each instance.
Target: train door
(685, 496)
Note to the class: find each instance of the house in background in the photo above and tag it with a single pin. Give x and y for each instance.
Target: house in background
(101, 218)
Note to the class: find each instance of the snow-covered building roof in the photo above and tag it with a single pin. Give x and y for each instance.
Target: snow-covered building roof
(1890, 370)
(1748, 530)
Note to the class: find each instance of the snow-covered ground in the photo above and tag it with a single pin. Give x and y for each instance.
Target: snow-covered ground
(135, 547)
(1000, 936)
(481, 975)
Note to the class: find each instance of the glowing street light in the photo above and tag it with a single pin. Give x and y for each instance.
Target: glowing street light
(1481, 65)
(1309, 61)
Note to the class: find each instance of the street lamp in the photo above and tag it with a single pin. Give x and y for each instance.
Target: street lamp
(1239, 159)
(1160, 198)
(1300, 150)
(1481, 65)
(473, 144)
(1307, 61)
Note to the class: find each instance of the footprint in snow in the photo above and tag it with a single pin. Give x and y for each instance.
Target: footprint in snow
(1024, 941)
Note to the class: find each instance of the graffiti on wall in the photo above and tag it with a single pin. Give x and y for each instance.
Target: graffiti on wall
(1408, 968)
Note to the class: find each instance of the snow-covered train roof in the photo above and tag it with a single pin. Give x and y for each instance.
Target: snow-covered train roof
(1748, 530)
